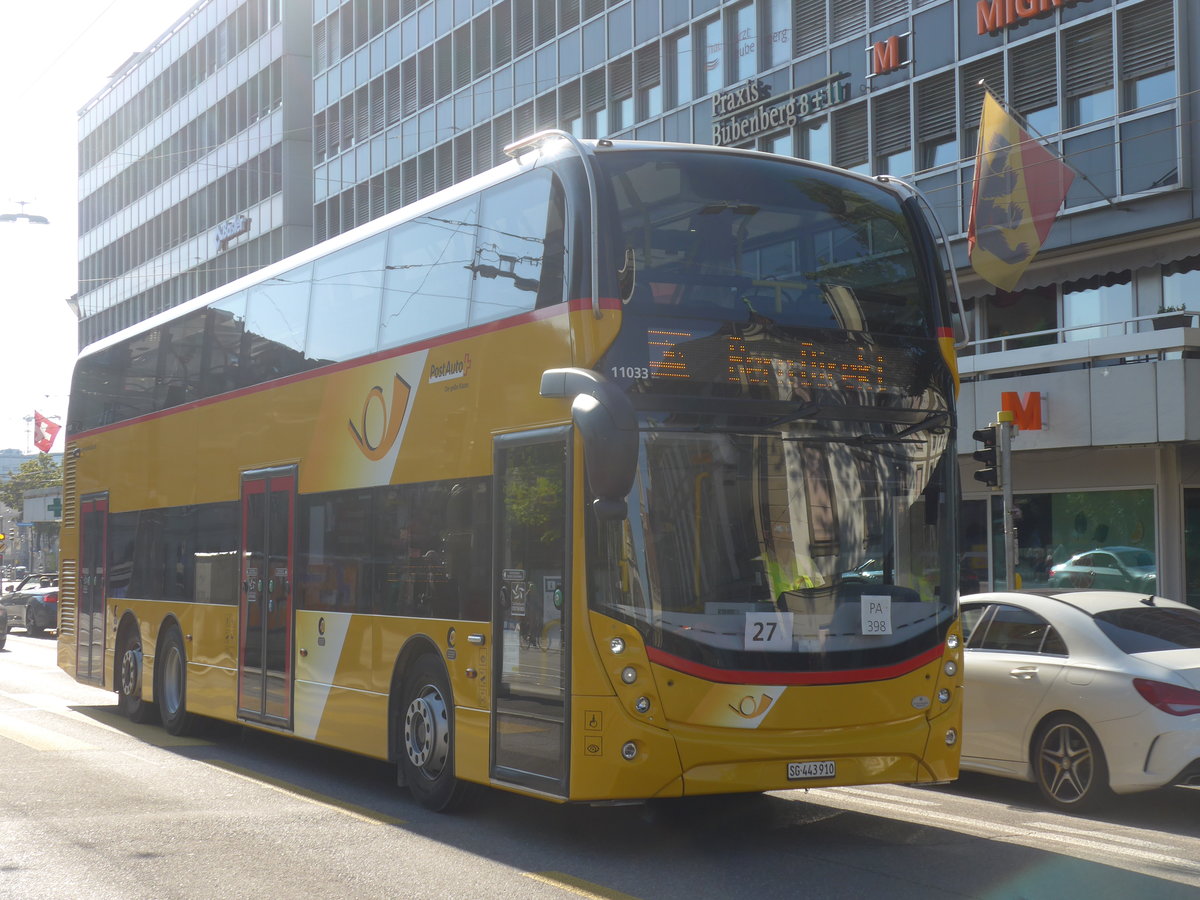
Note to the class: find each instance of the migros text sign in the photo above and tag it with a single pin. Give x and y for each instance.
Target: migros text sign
(996, 15)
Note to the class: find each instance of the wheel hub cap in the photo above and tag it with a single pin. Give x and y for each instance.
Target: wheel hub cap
(131, 672)
(426, 734)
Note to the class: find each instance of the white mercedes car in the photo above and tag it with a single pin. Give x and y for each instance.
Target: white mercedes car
(1085, 693)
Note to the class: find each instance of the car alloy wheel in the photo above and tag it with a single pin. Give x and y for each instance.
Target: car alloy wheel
(1069, 764)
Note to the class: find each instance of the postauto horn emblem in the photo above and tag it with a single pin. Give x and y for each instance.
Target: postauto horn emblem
(374, 436)
(751, 708)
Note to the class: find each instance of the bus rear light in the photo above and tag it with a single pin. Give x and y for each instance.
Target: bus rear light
(1172, 699)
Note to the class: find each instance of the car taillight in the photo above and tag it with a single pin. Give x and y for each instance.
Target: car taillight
(51, 598)
(1170, 698)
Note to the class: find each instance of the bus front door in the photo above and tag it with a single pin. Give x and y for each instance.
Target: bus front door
(530, 619)
(265, 639)
(92, 588)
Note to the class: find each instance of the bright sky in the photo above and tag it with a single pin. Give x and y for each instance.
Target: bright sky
(57, 54)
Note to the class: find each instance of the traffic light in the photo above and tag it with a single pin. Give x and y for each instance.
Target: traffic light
(989, 455)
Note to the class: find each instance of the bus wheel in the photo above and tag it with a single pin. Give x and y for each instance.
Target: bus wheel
(171, 672)
(426, 743)
(129, 679)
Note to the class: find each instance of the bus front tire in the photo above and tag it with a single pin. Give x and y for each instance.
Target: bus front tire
(426, 737)
(171, 691)
(130, 666)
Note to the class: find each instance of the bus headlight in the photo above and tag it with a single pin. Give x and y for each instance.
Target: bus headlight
(952, 641)
(617, 645)
(629, 750)
(642, 704)
(951, 737)
(950, 668)
(944, 695)
(629, 674)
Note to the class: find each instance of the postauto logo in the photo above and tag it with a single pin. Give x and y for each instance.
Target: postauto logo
(450, 369)
(379, 424)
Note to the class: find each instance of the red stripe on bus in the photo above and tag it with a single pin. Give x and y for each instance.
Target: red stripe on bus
(945, 332)
(536, 315)
(842, 676)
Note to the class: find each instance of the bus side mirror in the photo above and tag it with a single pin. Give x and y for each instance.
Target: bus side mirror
(607, 422)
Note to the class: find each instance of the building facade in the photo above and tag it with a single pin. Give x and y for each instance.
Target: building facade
(195, 161)
(408, 97)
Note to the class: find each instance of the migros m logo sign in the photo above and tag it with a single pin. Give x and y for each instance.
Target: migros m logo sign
(886, 56)
(996, 15)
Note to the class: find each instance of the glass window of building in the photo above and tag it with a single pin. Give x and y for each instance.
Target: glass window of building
(1024, 318)
(777, 16)
(647, 72)
(782, 144)
(1103, 303)
(714, 55)
(1034, 74)
(1181, 283)
(850, 139)
(972, 80)
(744, 38)
(893, 145)
(816, 141)
(620, 89)
(1146, 34)
(937, 129)
(679, 49)
(1088, 72)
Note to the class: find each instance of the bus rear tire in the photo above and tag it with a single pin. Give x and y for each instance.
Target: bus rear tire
(171, 690)
(425, 733)
(130, 668)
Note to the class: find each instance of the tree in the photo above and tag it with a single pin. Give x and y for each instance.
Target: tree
(39, 472)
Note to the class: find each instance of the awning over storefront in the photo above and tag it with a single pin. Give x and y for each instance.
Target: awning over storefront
(1100, 262)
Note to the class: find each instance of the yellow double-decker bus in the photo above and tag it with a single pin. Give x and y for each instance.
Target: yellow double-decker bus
(621, 471)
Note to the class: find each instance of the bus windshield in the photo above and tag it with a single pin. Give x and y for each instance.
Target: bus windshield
(759, 239)
(790, 509)
(831, 542)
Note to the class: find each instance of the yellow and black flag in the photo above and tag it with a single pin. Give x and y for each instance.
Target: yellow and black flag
(1019, 187)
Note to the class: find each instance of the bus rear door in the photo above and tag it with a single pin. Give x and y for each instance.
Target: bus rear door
(265, 639)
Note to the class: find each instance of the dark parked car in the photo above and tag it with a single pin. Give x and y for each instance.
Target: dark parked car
(3, 627)
(33, 604)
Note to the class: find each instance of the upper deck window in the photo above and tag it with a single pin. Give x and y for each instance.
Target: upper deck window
(744, 239)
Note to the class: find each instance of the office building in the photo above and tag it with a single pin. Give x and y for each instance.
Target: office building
(195, 161)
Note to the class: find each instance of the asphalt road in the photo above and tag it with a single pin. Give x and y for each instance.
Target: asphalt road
(92, 806)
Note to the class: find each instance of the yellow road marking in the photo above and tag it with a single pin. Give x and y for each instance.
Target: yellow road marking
(39, 738)
(362, 813)
(578, 886)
